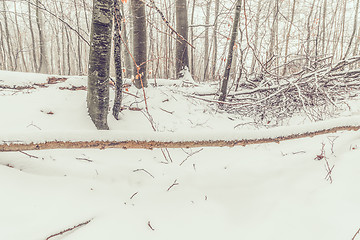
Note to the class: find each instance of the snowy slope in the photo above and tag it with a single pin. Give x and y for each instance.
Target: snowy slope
(268, 191)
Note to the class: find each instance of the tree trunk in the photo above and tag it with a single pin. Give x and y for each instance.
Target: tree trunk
(323, 29)
(139, 43)
(126, 49)
(225, 79)
(354, 29)
(215, 42)
(192, 38)
(117, 59)
(7, 37)
(207, 47)
(99, 63)
(43, 64)
(256, 36)
(288, 35)
(182, 58)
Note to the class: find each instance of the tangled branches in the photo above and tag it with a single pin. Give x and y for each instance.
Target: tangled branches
(316, 92)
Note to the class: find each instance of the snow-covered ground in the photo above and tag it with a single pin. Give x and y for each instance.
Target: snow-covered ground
(268, 191)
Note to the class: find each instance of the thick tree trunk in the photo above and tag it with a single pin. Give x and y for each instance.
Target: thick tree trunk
(225, 80)
(117, 59)
(99, 63)
(139, 43)
(182, 58)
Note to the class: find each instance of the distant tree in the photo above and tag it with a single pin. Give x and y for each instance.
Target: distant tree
(225, 79)
(182, 58)
(139, 43)
(99, 62)
(44, 62)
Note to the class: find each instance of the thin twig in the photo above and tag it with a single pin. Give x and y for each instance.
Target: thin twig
(132, 196)
(144, 170)
(172, 185)
(29, 155)
(358, 231)
(69, 229)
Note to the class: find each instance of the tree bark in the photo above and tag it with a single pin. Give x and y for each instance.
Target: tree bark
(99, 63)
(182, 58)
(117, 59)
(225, 79)
(139, 43)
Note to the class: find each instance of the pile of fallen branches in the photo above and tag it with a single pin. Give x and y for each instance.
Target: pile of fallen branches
(316, 92)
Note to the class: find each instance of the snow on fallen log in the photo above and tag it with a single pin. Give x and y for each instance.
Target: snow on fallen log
(122, 139)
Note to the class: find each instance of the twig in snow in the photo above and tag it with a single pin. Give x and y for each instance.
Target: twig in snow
(132, 196)
(332, 140)
(191, 154)
(69, 229)
(137, 170)
(29, 155)
(84, 159)
(358, 231)
(167, 111)
(33, 125)
(172, 185)
(149, 224)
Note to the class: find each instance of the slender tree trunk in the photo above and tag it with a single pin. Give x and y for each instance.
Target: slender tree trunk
(343, 29)
(139, 43)
(308, 37)
(256, 36)
(354, 29)
(182, 58)
(225, 80)
(20, 40)
(126, 49)
(99, 63)
(192, 38)
(274, 32)
(323, 29)
(207, 47)
(43, 64)
(288, 35)
(86, 15)
(2, 49)
(79, 57)
(7, 37)
(117, 59)
(215, 50)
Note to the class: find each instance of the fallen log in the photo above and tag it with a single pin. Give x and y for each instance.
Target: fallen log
(119, 139)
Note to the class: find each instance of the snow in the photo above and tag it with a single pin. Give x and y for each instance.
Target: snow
(265, 191)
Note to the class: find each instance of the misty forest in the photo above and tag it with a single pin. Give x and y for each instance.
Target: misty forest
(179, 119)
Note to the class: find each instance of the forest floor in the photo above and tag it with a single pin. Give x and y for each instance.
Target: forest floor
(298, 189)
